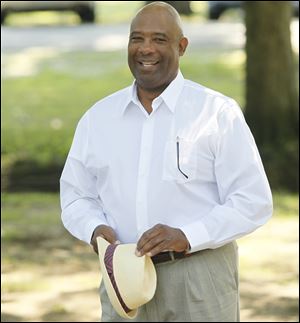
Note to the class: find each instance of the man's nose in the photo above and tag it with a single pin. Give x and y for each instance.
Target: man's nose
(147, 47)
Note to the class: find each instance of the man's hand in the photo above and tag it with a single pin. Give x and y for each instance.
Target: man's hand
(106, 233)
(161, 238)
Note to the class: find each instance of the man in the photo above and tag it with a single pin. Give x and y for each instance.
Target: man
(172, 166)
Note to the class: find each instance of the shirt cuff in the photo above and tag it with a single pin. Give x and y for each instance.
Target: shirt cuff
(89, 229)
(197, 236)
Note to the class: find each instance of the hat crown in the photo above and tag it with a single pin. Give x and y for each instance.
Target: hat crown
(134, 277)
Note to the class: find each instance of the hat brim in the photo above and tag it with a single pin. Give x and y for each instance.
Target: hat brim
(102, 246)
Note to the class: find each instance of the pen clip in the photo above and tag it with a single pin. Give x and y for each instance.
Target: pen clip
(178, 154)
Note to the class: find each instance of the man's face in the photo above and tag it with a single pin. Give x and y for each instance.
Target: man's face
(153, 50)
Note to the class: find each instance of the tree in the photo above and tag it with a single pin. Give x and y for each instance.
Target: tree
(271, 89)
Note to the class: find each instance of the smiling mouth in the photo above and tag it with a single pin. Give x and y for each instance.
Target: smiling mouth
(148, 64)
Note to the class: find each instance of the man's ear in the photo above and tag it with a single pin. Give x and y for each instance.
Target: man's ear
(183, 43)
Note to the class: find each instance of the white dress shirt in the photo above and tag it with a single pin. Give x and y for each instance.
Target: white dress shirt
(191, 164)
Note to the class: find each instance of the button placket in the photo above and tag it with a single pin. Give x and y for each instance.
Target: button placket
(143, 175)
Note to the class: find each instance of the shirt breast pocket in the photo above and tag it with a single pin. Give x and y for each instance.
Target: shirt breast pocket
(186, 161)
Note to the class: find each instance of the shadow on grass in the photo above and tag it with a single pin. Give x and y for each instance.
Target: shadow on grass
(63, 255)
(266, 305)
(5, 317)
(58, 308)
(54, 274)
(30, 175)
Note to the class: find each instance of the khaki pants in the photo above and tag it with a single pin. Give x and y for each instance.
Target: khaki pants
(200, 288)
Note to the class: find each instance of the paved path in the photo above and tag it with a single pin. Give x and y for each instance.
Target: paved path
(112, 37)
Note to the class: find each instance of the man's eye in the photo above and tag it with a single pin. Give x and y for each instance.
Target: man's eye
(160, 40)
(136, 39)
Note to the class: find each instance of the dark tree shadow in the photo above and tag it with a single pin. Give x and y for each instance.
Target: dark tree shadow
(5, 317)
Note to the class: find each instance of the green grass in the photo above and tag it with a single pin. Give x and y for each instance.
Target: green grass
(222, 71)
(32, 231)
(41, 110)
(34, 217)
(32, 220)
(286, 204)
(41, 259)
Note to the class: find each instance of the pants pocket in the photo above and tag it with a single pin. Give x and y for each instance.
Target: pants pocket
(211, 291)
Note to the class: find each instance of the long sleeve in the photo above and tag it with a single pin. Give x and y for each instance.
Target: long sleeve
(245, 195)
(81, 207)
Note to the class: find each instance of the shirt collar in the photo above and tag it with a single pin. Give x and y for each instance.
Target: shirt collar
(169, 95)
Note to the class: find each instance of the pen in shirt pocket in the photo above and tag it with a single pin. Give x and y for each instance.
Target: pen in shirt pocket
(178, 154)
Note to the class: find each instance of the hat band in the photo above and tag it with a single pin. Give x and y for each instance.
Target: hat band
(108, 261)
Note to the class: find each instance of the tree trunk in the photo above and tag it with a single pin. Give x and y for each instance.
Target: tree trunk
(271, 89)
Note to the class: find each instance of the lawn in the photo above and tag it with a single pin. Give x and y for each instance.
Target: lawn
(47, 275)
(41, 110)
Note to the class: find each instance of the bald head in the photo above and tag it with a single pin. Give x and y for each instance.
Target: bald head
(163, 10)
(155, 45)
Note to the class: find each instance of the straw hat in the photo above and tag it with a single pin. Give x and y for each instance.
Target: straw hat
(130, 281)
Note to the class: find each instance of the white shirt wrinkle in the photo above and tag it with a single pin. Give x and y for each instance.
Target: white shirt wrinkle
(127, 162)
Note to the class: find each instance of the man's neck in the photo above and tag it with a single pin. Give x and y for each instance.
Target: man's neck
(147, 97)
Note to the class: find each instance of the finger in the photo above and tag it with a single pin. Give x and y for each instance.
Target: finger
(146, 237)
(94, 242)
(110, 237)
(162, 246)
(107, 233)
(150, 244)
